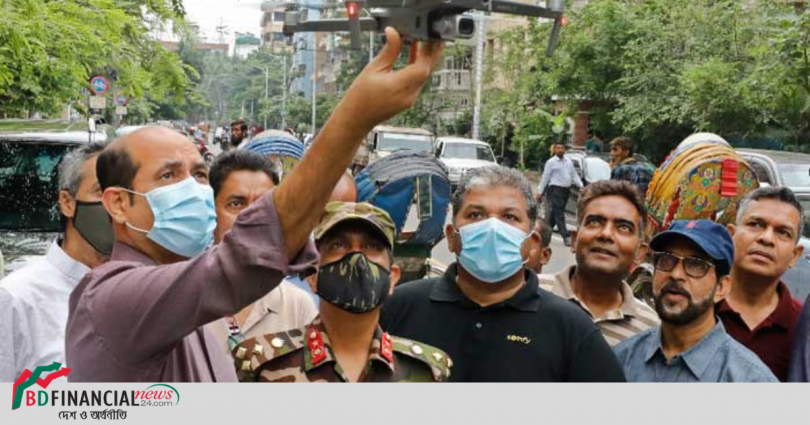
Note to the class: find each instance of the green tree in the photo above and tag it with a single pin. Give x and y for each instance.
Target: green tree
(49, 49)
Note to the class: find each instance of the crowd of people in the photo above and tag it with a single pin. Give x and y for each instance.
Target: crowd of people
(264, 267)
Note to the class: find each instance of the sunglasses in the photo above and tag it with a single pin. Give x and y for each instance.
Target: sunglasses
(694, 267)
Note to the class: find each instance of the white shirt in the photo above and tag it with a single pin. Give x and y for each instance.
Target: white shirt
(559, 172)
(284, 308)
(35, 301)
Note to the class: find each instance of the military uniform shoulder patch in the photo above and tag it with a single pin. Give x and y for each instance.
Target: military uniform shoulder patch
(253, 353)
(438, 361)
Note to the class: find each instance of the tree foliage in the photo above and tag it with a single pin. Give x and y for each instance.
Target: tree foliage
(49, 49)
(658, 73)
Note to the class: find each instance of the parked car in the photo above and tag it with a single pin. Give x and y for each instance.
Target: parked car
(591, 168)
(460, 155)
(29, 212)
(385, 139)
(792, 170)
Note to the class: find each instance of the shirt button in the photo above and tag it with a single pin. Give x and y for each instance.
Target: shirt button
(478, 325)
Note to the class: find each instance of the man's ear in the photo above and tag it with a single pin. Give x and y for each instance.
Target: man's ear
(723, 288)
(114, 200)
(67, 205)
(731, 229)
(797, 255)
(312, 280)
(531, 247)
(545, 255)
(641, 253)
(395, 274)
(453, 242)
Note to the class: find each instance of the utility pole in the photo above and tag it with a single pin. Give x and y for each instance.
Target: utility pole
(284, 96)
(479, 65)
(314, 86)
(266, 92)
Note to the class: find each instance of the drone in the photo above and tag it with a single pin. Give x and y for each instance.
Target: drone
(421, 19)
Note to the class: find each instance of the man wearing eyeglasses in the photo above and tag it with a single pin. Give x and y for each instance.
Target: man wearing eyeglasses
(692, 263)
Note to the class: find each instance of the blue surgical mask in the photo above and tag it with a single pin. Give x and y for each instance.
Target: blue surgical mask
(185, 217)
(490, 250)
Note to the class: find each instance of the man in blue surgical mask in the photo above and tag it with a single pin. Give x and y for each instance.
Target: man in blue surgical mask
(487, 311)
(140, 317)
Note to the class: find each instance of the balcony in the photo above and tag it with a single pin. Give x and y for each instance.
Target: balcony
(452, 79)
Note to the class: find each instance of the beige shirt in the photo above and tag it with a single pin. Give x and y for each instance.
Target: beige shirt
(284, 308)
(631, 318)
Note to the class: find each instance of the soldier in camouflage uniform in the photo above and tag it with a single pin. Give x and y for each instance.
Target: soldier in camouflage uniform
(356, 276)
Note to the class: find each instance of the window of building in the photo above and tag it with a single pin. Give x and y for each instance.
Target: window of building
(278, 16)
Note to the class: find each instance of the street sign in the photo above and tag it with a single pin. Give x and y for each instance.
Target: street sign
(99, 85)
(120, 110)
(121, 100)
(98, 102)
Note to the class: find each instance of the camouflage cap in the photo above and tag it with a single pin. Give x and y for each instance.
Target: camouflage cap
(337, 212)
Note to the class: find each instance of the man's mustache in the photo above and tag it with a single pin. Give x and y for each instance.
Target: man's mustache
(674, 288)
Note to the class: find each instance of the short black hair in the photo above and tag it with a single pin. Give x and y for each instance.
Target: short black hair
(115, 168)
(620, 188)
(781, 194)
(240, 160)
(545, 231)
(241, 123)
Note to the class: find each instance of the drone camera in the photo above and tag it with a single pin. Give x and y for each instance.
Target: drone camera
(454, 27)
(466, 26)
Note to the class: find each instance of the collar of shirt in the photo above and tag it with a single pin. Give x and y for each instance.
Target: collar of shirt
(696, 358)
(124, 252)
(781, 316)
(562, 287)
(374, 349)
(447, 290)
(61, 261)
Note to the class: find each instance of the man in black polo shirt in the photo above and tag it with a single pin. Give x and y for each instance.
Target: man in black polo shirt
(487, 311)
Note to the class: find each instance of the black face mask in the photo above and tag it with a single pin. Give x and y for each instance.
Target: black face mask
(354, 283)
(93, 224)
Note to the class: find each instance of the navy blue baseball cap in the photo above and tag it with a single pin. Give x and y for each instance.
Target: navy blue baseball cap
(711, 237)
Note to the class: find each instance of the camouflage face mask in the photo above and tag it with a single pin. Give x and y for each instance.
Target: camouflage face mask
(354, 283)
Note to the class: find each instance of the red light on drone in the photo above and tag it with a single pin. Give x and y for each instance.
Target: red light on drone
(351, 7)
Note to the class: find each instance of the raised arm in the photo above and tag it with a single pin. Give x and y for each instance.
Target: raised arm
(376, 95)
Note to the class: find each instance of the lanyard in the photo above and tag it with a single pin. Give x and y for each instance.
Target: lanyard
(235, 336)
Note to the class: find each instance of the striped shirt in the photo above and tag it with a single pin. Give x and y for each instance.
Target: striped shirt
(631, 318)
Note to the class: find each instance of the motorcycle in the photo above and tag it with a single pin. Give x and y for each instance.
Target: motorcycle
(206, 153)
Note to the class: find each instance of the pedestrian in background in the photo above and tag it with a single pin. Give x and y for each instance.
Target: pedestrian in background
(625, 166)
(559, 176)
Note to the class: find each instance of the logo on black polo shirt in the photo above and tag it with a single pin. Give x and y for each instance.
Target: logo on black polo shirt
(517, 338)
